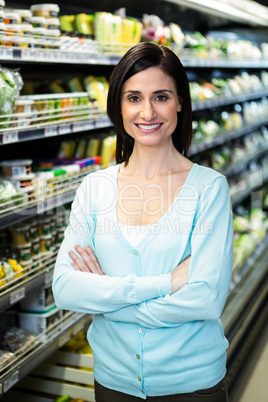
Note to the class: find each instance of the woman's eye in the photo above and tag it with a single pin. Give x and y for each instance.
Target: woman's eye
(134, 99)
(161, 98)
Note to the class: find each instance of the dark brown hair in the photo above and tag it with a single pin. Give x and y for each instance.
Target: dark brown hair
(138, 58)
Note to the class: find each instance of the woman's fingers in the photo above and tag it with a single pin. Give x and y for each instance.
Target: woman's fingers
(87, 262)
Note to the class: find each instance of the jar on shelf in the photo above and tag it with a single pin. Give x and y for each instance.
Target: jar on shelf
(38, 22)
(40, 110)
(24, 15)
(35, 249)
(2, 14)
(23, 183)
(52, 23)
(23, 111)
(45, 10)
(26, 35)
(52, 38)
(60, 235)
(53, 240)
(33, 233)
(39, 38)
(16, 167)
(20, 235)
(24, 253)
(11, 18)
(45, 244)
(13, 36)
(2, 4)
(43, 226)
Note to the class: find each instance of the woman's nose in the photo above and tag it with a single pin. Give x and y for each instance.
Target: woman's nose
(147, 111)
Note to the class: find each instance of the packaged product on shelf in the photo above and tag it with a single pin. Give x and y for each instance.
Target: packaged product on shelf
(5, 357)
(24, 254)
(45, 242)
(20, 234)
(9, 196)
(10, 85)
(45, 10)
(33, 235)
(40, 300)
(2, 4)
(43, 227)
(24, 185)
(16, 340)
(35, 249)
(11, 17)
(24, 15)
(52, 39)
(38, 22)
(108, 28)
(52, 23)
(39, 108)
(39, 40)
(108, 150)
(84, 23)
(154, 30)
(97, 88)
(2, 17)
(7, 273)
(67, 23)
(60, 235)
(93, 147)
(16, 267)
(38, 322)
(16, 167)
(131, 31)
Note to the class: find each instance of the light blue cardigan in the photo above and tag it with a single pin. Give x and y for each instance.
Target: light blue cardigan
(146, 341)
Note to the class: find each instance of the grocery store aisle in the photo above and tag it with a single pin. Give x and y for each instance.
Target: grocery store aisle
(252, 385)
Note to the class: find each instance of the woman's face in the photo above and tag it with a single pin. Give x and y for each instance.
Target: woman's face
(149, 106)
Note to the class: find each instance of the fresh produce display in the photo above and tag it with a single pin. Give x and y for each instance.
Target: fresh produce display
(237, 151)
(10, 86)
(221, 87)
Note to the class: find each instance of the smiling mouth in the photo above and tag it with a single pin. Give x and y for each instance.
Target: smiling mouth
(149, 126)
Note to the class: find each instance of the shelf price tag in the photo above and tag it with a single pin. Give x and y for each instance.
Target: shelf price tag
(10, 137)
(12, 380)
(89, 125)
(17, 296)
(103, 123)
(51, 131)
(78, 126)
(65, 129)
(27, 54)
(41, 207)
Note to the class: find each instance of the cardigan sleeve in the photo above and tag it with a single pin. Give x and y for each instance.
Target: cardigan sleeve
(210, 270)
(91, 293)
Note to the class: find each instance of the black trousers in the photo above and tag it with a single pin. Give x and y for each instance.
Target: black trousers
(217, 393)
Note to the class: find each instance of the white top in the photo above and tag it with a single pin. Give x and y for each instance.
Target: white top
(134, 234)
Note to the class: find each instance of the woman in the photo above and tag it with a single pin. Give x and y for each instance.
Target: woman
(153, 246)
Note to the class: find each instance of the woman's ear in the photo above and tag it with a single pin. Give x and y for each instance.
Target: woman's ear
(179, 104)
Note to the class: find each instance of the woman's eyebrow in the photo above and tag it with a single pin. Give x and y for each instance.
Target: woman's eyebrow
(154, 93)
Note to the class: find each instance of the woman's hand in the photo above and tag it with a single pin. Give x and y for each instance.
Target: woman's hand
(180, 275)
(87, 262)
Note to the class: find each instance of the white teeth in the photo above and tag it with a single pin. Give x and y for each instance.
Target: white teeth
(151, 127)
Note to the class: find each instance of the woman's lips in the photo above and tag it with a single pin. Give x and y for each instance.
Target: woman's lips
(149, 128)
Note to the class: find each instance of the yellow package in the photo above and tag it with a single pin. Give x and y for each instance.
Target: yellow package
(132, 31)
(17, 268)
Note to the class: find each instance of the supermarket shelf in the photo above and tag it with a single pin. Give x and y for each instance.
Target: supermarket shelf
(21, 214)
(249, 184)
(22, 287)
(244, 313)
(226, 136)
(223, 63)
(56, 56)
(228, 100)
(46, 344)
(52, 129)
(254, 15)
(9, 54)
(235, 168)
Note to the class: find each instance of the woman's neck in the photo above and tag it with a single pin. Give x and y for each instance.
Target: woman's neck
(149, 162)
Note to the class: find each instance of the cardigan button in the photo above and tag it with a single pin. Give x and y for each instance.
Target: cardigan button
(139, 378)
(136, 252)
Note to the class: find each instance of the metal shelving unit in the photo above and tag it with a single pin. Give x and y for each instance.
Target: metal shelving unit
(225, 136)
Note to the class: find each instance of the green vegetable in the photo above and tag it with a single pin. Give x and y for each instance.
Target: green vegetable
(64, 398)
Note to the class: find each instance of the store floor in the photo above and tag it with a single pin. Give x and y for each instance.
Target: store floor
(252, 385)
